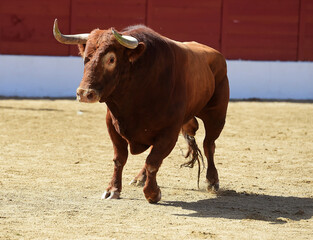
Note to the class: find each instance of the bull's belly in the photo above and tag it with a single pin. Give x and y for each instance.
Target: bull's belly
(137, 148)
(137, 139)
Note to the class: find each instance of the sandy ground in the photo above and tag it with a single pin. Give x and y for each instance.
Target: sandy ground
(55, 162)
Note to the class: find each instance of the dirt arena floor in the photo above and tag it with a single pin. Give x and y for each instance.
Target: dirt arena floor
(56, 161)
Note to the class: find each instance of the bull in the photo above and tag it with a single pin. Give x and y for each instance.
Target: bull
(154, 88)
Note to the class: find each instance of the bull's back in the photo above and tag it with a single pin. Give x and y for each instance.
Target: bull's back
(203, 68)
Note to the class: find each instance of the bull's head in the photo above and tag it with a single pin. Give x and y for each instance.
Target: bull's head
(107, 56)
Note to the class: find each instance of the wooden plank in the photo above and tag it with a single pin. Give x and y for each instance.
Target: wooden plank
(103, 14)
(260, 30)
(306, 31)
(185, 20)
(26, 26)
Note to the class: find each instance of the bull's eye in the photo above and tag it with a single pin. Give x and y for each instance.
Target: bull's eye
(112, 59)
(109, 61)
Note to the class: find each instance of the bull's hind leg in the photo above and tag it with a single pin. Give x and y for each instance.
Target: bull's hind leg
(120, 157)
(213, 129)
(140, 179)
(213, 117)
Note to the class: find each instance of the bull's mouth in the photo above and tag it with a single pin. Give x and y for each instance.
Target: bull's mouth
(87, 95)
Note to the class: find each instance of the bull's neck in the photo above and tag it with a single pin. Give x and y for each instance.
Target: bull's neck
(115, 103)
(144, 85)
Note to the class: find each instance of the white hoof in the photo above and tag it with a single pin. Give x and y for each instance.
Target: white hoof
(110, 195)
(133, 182)
(137, 183)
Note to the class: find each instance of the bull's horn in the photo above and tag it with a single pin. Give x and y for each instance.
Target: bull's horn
(124, 40)
(68, 39)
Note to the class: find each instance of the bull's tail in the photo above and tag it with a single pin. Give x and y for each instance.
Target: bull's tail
(194, 154)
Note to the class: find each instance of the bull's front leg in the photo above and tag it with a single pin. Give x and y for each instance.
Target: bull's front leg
(120, 157)
(160, 150)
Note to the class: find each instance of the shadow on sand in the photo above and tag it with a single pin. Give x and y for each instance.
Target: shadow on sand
(233, 205)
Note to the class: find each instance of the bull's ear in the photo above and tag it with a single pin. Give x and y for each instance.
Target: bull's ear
(81, 48)
(134, 54)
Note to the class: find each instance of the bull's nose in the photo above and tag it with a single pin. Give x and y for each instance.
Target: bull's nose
(87, 95)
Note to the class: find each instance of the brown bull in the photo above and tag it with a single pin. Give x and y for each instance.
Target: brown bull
(154, 88)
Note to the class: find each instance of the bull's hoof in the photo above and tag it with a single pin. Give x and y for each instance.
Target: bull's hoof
(213, 186)
(137, 183)
(154, 197)
(111, 195)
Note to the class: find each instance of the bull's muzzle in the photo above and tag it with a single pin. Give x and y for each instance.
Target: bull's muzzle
(87, 95)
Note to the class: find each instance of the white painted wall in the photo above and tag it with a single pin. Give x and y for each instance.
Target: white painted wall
(270, 80)
(43, 76)
(39, 76)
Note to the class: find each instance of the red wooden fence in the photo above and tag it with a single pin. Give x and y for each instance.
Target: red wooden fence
(306, 30)
(186, 20)
(240, 29)
(260, 29)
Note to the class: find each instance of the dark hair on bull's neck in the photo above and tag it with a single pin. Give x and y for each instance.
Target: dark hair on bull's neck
(143, 33)
(154, 41)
